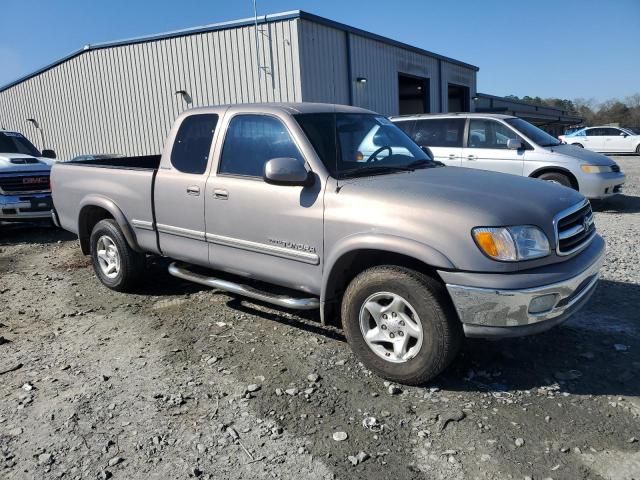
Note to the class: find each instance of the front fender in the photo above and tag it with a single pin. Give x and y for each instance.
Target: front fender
(95, 200)
(384, 243)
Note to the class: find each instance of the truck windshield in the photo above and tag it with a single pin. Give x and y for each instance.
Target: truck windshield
(534, 134)
(12, 142)
(356, 144)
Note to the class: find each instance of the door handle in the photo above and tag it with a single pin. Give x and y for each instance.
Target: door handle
(452, 156)
(471, 157)
(193, 190)
(220, 194)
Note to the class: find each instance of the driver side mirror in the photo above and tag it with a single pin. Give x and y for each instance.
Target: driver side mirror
(428, 151)
(49, 154)
(513, 144)
(624, 134)
(287, 171)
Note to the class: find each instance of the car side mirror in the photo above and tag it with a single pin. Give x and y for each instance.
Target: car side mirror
(287, 171)
(624, 134)
(428, 151)
(513, 144)
(49, 154)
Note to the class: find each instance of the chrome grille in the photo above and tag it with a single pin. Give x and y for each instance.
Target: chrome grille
(574, 228)
(24, 183)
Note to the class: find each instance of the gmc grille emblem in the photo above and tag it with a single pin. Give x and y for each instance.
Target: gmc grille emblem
(35, 181)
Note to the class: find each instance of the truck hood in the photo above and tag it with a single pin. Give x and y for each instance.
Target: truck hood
(18, 162)
(587, 156)
(440, 206)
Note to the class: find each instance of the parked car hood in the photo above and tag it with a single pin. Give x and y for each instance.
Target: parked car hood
(440, 207)
(18, 162)
(588, 156)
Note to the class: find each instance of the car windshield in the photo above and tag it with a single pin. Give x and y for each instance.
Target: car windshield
(13, 142)
(532, 132)
(355, 144)
(632, 131)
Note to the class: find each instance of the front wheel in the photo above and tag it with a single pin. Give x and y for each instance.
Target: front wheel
(401, 324)
(557, 178)
(116, 264)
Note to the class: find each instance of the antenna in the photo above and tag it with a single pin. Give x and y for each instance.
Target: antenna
(255, 23)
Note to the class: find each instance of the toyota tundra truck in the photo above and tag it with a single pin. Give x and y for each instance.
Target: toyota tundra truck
(278, 203)
(24, 179)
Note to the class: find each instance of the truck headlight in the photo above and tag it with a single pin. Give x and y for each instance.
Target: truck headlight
(596, 169)
(511, 244)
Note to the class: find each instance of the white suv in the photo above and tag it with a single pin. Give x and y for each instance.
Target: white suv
(508, 144)
(605, 139)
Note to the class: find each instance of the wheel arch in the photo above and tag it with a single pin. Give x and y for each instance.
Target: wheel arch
(94, 208)
(555, 169)
(356, 254)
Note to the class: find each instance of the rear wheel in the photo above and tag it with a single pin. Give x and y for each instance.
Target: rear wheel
(401, 324)
(558, 178)
(116, 264)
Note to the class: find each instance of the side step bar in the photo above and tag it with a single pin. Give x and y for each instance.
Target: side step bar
(180, 271)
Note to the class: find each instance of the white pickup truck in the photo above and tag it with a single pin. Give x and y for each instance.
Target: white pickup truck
(25, 192)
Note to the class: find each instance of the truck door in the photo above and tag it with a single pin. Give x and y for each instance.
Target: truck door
(269, 232)
(180, 191)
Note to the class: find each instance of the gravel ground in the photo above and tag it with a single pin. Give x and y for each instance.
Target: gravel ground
(180, 381)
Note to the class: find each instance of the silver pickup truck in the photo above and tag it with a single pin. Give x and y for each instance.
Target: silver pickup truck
(407, 256)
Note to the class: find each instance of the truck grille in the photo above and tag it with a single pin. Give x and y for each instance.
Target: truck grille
(575, 228)
(24, 183)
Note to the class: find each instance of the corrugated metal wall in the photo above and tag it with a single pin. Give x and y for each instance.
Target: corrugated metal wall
(323, 63)
(324, 67)
(121, 99)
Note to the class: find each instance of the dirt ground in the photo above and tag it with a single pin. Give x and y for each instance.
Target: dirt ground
(179, 381)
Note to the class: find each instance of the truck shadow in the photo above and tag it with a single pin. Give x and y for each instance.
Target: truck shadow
(13, 233)
(595, 353)
(617, 204)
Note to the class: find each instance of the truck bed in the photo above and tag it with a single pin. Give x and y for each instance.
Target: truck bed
(123, 184)
(143, 162)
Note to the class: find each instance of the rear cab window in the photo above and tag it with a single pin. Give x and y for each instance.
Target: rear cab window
(191, 147)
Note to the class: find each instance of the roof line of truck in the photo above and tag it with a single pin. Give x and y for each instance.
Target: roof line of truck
(262, 19)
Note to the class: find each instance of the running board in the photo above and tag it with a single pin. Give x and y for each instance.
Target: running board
(180, 271)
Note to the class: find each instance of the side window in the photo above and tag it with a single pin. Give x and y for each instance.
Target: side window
(251, 141)
(594, 132)
(612, 132)
(442, 132)
(407, 126)
(485, 133)
(190, 153)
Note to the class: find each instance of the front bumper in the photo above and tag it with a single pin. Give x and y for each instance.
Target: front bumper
(601, 185)
(25, 207)
(487, 313)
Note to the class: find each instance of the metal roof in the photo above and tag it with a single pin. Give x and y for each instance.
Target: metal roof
(234, 24)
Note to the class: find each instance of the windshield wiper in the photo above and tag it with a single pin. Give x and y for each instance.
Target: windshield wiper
(424, 164)
(551, 144)
(374, 170)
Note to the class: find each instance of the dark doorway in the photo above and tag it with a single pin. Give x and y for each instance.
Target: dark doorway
(458, 98)
(414, 94)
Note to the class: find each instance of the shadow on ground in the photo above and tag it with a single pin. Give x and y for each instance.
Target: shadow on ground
(617, 204)
(31, 233)
(597, 352)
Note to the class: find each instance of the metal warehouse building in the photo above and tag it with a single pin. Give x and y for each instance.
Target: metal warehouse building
(122, 97)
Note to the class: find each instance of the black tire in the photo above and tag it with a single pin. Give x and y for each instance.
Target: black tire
(638, 150)
(442, 330)
(131, 263)
(556, 177)
(578, 145)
